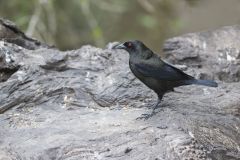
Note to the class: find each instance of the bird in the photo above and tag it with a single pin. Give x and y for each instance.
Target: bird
(155, 73)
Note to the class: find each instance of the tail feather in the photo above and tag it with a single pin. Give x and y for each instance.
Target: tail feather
(203, 82)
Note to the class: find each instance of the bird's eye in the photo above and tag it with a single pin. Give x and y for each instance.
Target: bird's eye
(128, 44)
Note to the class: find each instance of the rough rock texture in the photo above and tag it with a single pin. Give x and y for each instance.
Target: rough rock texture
(83, 104)
(215, 53)
(10, 33)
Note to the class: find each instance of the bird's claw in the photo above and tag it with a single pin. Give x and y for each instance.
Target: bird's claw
(146, 116)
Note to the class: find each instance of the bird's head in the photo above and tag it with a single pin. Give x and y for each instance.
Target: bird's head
(136, 48)
(130, 46)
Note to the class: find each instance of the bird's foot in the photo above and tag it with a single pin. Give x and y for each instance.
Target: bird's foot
(155, 106)
(146, 116)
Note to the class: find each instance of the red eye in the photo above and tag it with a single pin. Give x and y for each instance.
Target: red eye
(129, 45)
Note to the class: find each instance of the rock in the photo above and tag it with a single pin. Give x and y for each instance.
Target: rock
(9, 32)
(215, 53)
(83, 104)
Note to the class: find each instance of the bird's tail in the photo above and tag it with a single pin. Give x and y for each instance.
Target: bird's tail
(202, 82)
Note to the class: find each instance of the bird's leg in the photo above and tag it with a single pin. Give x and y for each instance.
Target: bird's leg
(146, 116)
(156, 105)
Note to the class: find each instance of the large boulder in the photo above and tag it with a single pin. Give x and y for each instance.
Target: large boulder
(83, 104)
(215, 53)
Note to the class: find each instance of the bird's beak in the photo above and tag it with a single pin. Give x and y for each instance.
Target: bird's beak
(119, 46)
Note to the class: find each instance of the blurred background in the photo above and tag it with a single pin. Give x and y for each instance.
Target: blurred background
(69, 24)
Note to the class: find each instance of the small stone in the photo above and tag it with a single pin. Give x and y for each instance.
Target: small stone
(162, 127)
(127, 150)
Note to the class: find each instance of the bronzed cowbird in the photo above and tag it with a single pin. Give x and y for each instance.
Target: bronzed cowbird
(158, 75)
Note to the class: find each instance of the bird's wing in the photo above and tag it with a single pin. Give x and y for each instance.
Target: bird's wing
(162, 72)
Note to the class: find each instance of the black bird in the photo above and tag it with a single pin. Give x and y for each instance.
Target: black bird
(158, 75)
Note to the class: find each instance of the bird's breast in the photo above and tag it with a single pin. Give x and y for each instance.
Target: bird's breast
(154, 84)
(135, 71)
(149, 81)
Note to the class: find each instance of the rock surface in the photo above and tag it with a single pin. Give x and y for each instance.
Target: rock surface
(83, 104)
(215, 53)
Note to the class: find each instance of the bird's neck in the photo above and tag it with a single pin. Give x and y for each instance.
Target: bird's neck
(135, 58)
(144, 55)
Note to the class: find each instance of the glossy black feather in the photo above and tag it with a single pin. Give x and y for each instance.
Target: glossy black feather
(163, 72)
